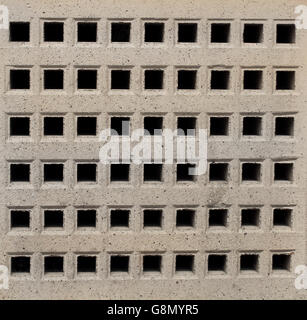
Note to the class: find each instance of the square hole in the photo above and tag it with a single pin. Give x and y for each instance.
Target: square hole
(120, 125)
(218, 172)
(119, 218)
(251, 172)
(53, 218)
(184, 263)
(152, 172)
(217, 262)
(19, 79)
(249, 262)
(20, 172)
(250, 217)
(120, 79)
(219, 126)
(86, 218)
(87, 31)
(282, 217)
(53, 79)
(285, 33)
(220, 79)
(19, 126)
(53, 172)
(87, 79)
(153, 125)
(19, 31)
(53, 264)
(253, 33)
(119, 264)
(120, 31)
(184, 172)
(53, 126)
(186, 126)
(284, 126)
(218, 217)
(20, 219)
(86, 172)
(186, 79)
(187, 32)
(53, 31)
(86, 126)
(152, 218)
(86, 264)
(153, 79)
(185, 218)
(220, 32)
(283, 171)
(252, 80)
(281, 262)
(152, 263)
(20, 264)
(285, 80)
(120, 172)
(154, 32)
(252, 126)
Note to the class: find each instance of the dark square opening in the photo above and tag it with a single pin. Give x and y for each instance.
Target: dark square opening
(119, 218)
(250, 217)
(184, 263)
(220, 32)
(285, 33)
(218, 172)
(249, 262)
(120, 31)
(252, 126)
(284, 126)
(186, 79)
(251, 172)
(220, 80)
(87, 31)
(154, 79)
(152, 218)
(54, 31)
(19, 126)
(120, 125)
(285, 80)
(20, 264)
(53, 172)
(186, 126)
(20, 219)
(120, 172)
(153, 125)
(282, 217)
(86, 172)
(20, 31)
(86, 264)
(252, 80)
(53, 218)
(119, 264)
(152, 172)
(281, 262)
(53, 79)
(219, 126)
(185, 218)
(86, 126)
(283, 171)
(218, 217)
(53, 126)
(187, 32)
(152, 263)
(86, 218)
(120, 79)
(87, 79)
(19, 79)
(253, 33)
(53, 264)
(217, 262)
(183, 172)
(154, 31)
(20, 172)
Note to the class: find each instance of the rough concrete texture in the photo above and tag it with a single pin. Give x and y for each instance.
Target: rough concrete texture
(261, 236)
